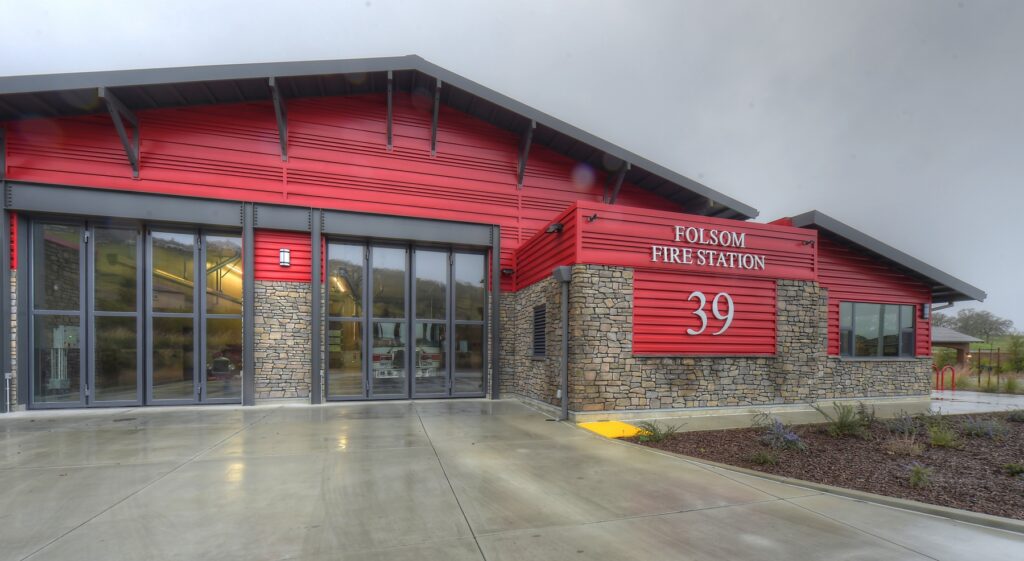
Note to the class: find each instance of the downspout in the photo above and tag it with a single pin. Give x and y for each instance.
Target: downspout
(563, 275)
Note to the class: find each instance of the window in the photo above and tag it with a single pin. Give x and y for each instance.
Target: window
(540, 331)
(875, 330)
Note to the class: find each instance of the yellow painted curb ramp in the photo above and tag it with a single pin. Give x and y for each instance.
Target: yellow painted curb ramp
(611, 429)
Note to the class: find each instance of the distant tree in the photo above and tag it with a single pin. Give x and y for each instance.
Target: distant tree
(982, 324)
(943, 320)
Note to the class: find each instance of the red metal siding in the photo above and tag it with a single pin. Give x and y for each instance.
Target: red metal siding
(662, 314)
(337, 159)
(852, 276)
(539, 255)
(624, 236)
(268, 245)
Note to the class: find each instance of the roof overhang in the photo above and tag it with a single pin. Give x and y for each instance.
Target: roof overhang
(58, 95)
(945, 287)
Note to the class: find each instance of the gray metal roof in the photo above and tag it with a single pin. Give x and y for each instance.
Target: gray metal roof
(945, 287)
(57, 95)
(947, 335)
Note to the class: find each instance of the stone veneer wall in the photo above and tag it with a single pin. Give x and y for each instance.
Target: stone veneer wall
(521, 373)
(604, 375)
(283, 339)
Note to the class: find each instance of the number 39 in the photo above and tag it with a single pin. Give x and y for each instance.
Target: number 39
(699, 312)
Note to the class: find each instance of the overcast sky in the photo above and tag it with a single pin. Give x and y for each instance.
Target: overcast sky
(904, 119)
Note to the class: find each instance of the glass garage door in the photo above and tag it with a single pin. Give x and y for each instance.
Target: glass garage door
(404, 322)
(86, 325)
(121, 319)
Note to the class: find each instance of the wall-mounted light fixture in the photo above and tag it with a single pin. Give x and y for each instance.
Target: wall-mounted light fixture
(508, 271)
(592, 217)
(285, 255)
(926, 311)
(555, 228)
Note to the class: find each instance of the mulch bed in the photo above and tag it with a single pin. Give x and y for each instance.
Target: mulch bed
(970, 476)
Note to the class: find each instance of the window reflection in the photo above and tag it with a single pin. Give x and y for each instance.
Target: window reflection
(345, 280)
(388, 282)
(224, 274)
(173, 272)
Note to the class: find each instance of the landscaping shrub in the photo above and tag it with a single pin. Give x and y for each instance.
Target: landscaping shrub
(987, 428)
(942, 436)
(1017, 416)
(963, 382)
(652, 432)
(903, 445)
(920, 475)
(848, 420)
(932, 419)
(902, 424)
(1014, 470)
(1012, 385)
(990, 386)
(777, 434)
(764, 458)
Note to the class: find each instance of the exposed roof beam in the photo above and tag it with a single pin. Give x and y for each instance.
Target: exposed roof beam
(616, 182)
(281, 113)
(524, 151)
(118, 111)
(433, 122)
(391, 88)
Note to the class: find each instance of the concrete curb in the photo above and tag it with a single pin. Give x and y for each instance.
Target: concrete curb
(987, 520)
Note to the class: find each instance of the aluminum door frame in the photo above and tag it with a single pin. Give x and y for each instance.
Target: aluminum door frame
(205, 316)
(447, 321)
(90, 333)
(485, 332)
(150, 400)
(368, 338)
(32, 313)
(364, 319)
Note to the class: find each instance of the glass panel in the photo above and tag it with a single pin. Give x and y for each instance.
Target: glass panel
(224, 274)
(845, 327)
(431, 358)
(345, 359)
(388, 375)
(56, 266)
(345, 280)
(173, 274)
(172, 358)
(116, 265)
(470, 283)
(469, 359)
(223, 358)
(58, 360)
(388, 282)
(907, 330)
(890, 330)
(431, 284)
(117, 361)
(866, 336)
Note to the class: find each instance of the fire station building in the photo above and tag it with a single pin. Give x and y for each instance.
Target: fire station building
(386, 229)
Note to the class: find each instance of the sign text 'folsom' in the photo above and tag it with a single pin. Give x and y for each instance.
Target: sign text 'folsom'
(708, 257)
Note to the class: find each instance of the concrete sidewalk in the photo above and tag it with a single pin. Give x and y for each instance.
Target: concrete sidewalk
(447, 480)
(957, 402)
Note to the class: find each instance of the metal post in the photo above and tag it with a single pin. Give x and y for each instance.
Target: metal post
(248, 305)
(315, 283)
(563, 275)
(495, 312)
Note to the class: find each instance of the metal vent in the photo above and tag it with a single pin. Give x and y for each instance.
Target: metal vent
(540, 330)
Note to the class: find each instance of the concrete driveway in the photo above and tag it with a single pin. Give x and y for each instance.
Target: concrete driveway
(449, 480)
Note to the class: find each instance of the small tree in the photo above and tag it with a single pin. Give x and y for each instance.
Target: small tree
(1016, 353)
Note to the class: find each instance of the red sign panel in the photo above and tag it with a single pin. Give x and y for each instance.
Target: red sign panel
(693, 314)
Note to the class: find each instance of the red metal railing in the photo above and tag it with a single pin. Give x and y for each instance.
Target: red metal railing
(940, 377)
